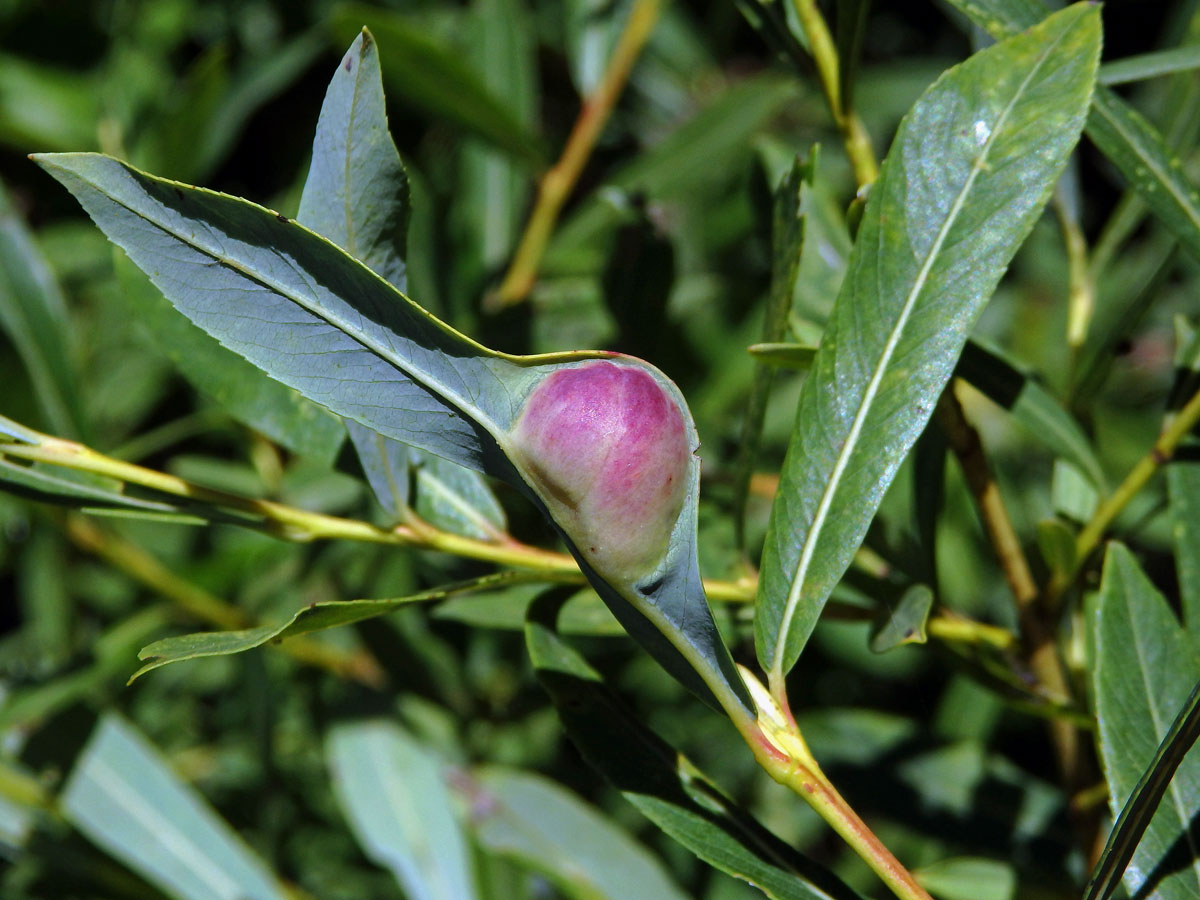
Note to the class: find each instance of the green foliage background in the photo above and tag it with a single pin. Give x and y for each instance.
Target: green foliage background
(669, 249)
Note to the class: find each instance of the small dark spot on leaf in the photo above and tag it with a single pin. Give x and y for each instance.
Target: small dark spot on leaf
(908, 632)
(178, 193)
(281, 217)
(651, 588)
(348, 64)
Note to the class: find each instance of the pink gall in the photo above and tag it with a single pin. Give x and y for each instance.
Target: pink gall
(607, 448)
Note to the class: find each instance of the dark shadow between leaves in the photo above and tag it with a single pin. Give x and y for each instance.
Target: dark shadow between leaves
(635, 760)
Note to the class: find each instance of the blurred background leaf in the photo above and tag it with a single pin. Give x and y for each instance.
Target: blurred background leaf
(664, 250)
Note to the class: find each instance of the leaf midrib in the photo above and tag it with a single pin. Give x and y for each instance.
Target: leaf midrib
(850, 444)
(424, 379)
(351, 237)
(176, 842)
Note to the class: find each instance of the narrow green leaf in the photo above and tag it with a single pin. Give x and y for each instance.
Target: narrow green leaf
(660, 782)
(1149, 65)
(392, 792)
(1183, 478)
(385, 463)
(1141, 153)
(357, 196)
(385, 362)
(434, 77)
(1056, 540)
(990, 370)
(1145, 666)
(34, 314)
(1124, 135)
(545, 826)
(1072, 495)
(356, 193)
(317, 617)
(969, 172)
(969, 878)
(457, 500)
(17, 432)
(851, 28)
(787, 240)
(64, 487)
(124, 798)
(261, 403)
(45, 606)
(905, 622)
(1183, 492)
(314, 318)
(492, 193)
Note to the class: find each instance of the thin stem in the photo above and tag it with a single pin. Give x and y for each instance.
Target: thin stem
(291, 523)
(832, 807)
(824, 53)
(1160, 454)
(1037, 636)
(968, 448)
(950, 627)
(961, 630)
(287, 522)
(558, 182)
(782, 752)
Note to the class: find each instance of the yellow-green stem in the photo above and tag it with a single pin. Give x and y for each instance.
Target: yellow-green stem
(823, 797)
(824, 53)
(294, 524)
(558, 182)
(1089, 537)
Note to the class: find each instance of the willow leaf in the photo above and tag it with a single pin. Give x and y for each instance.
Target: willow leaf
(1146, 665)
(1130, 141)
(357, 195)
(309, 315)
(968, 174)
